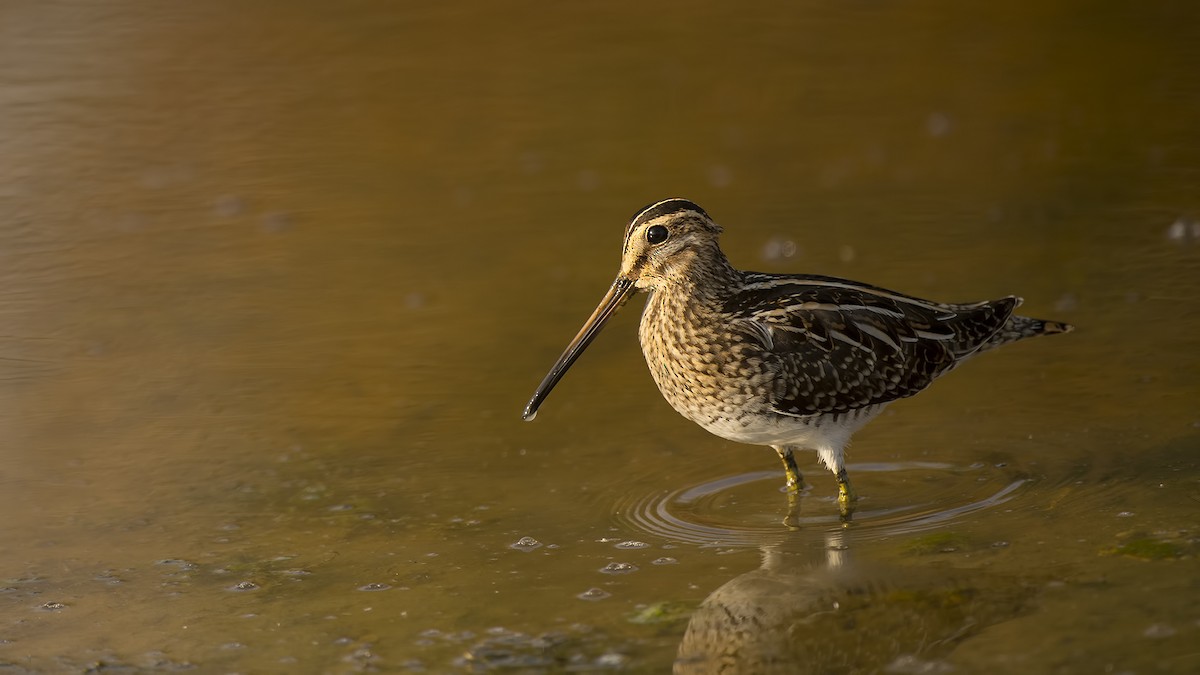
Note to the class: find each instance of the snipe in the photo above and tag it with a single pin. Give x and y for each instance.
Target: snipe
(786, 360)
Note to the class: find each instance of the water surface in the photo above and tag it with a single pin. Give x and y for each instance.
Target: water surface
(277, 279)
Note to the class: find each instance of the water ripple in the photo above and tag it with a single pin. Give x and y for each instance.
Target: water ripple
(741, 510)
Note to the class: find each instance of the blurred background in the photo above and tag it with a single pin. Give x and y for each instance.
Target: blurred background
(277, 278)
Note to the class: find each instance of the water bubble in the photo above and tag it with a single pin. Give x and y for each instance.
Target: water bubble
(362, 657)
(228, 206)
(1183, 229)
(937, 124)
(374, 587)
(1067, 302)
(664, 561)
(1159, 631)
(611, 660)
(463, 196)
(632, 544)
(719, 175)
(618, 568)
(588, 180)
(907, 663)
(594, 594)
(54, 606)
(778, 248)
(244, 586)
(526, 544)
(1125, 514)
(276, 222)
(531, 163)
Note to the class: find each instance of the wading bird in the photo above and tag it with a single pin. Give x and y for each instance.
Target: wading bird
(787, 360)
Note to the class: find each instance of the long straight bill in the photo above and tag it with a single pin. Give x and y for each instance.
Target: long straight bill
(616, 296)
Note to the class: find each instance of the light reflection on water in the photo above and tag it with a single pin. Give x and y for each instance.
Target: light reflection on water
(276, 280)
(696, 515)
(806, 606)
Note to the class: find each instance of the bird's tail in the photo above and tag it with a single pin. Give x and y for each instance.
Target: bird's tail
(1021, 327)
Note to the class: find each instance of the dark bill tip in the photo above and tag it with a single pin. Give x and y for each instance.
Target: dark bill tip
(612, 301)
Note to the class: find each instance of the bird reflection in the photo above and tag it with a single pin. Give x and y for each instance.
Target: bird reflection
(800, 613)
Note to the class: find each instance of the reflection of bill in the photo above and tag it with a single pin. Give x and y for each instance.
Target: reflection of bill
(799, 615)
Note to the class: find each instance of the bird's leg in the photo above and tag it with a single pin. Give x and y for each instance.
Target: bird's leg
(846, 495)
(794, 480)
(845, 492)
(792, 520)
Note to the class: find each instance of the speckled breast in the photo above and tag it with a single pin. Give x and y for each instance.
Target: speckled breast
(710, 374)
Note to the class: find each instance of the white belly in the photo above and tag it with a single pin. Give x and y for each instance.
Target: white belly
(813, 432)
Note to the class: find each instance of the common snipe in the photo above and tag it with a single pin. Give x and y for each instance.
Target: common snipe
(786, 360)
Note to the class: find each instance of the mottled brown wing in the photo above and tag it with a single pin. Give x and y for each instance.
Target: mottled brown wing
(841, 345)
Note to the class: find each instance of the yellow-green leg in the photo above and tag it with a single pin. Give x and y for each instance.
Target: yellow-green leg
(846, 495)
(792, 519)
(794, 480)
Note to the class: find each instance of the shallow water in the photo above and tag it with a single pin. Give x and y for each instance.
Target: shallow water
(276, 282)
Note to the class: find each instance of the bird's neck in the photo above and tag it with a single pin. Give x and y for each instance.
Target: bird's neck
(705, 276)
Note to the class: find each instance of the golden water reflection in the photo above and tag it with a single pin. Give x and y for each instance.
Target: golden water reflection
(799, 612)
(276, 280)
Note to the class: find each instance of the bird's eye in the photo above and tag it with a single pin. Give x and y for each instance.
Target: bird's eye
(657, 234)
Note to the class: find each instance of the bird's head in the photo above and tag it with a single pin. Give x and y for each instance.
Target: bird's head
(663, 244)
(664, 241)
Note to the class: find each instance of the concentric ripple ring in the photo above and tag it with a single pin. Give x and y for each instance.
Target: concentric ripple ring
(686, 515)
